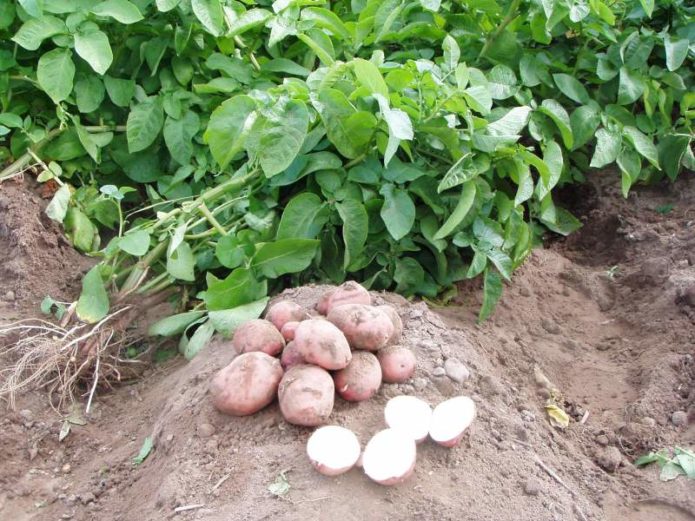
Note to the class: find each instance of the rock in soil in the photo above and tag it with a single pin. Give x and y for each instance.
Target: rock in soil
(438, 371)
(456, 370)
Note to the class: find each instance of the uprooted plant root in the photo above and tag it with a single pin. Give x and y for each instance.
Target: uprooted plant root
(67, 360)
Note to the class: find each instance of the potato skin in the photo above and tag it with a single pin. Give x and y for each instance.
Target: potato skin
(306, 395)
(284, 311)
(321, 343)
(364, 327)
(290, 356)
(397, 324)
(258, 335)
(361, 379)
(288, 330)
(246, 385)
(349, 292)
(397, 364)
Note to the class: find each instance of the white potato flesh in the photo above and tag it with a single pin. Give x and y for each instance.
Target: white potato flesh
(410, 415)
(389, 457)
(450, 419)
(333, 449)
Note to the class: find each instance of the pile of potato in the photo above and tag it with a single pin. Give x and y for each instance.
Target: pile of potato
(350, 348)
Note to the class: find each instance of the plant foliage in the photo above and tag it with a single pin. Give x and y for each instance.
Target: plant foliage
(234, 147)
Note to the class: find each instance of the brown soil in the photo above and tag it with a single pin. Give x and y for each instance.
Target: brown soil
(36, 259)
(607, 315)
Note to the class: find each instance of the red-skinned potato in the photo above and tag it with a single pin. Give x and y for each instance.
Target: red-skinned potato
(397, 364)
(364, 327)
(360, 379)
(389, 457)
(285, 311)
(258, 335)
(349, 292)
(306, 395)
(397, 324)
(288, 330)
(321, 343)
(246, 385)
(290, 356)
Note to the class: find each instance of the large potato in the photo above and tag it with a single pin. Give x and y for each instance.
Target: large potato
(306, 395)
(246, 385)
(285, 311)
(397, 364)
(364, 327)
(397, 324)
(258, 335)
(321, 343)
(360, 379)
(349, 292)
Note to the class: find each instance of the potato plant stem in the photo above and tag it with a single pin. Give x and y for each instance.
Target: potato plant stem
(137, 275)
(154, 282)
(508, 18)
(212, 220)
(141, 267)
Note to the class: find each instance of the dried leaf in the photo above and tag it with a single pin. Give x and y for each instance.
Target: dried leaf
(281, 486)
(64, 430)
(557, 416)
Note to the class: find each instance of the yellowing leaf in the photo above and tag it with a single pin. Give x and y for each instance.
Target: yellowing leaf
(557, 416)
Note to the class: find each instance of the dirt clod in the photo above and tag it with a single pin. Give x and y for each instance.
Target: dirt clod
(205, 430)
(689, 296)
(550, 326)
(532, 487)
(609, 458)
(679, 418)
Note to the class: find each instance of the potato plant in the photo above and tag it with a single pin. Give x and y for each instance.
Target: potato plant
(232, 148)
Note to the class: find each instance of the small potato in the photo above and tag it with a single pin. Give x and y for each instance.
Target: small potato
(306, 395)
(246, 385)
(288, 330)
(285, 311)
(290, 356)
(349, 292)
(258, 335)
(397, 324)
(397, 364)
(360, 379)
(321, 343)
(364, 327)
